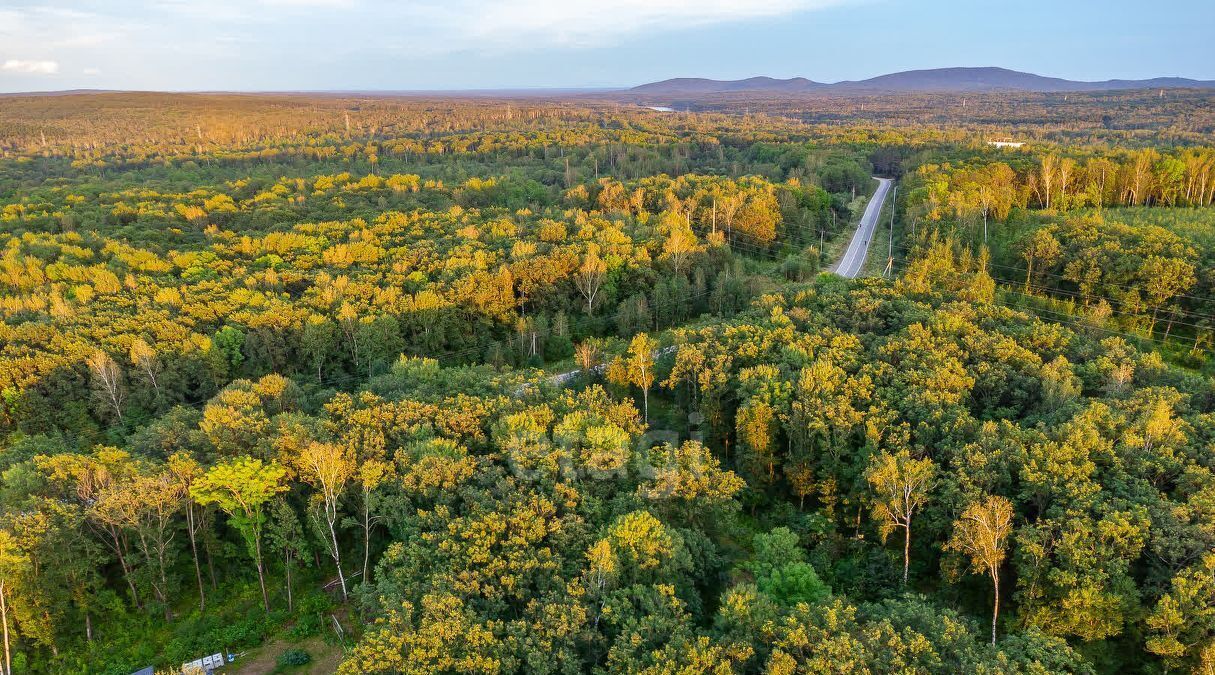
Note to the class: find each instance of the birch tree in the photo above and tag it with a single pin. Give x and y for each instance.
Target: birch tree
(107, 380)
(901, 485)
(590, 276)
(185, 471)
(981, 534)
(329, 468)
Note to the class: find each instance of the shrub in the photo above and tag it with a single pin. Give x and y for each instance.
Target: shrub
(294, 657)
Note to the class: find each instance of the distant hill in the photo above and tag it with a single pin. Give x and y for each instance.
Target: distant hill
(937, 80)
(61, 92)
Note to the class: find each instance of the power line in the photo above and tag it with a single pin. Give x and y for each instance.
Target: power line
(1077, 294)
(1109, 283)
(1071, 319)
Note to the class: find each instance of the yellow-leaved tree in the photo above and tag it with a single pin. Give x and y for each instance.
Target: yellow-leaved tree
(636, 368)
(901, 485)
(981, 534)
(328, 468)
(241, 488)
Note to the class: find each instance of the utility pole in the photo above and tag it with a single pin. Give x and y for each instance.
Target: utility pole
(890, 239)
(893, 202)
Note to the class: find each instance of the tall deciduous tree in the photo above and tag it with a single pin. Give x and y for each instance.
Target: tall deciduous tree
(242, 487)
(1166, 278)
(88, 478)
(680, 244)
(107, 381)
(636, 368)
(147, 505)
(185, 471)
(13, 564)
(586, 354)
(756, 426)
(901, 485)
(144, 358)
(287, 537)
(981, 534)
(590, 276)
(372, 473)
(328, 467)
(1043, 249)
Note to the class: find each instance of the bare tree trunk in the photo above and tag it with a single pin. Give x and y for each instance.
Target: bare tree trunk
(158, 590)
(109, 376)
(366, 533)
(290, 600)
(906, 550)
(164, 581)
(210, 567)
(261, 575)
(8, 661)
(202, 595)
(126, 569)
(337, 555)
(151, 373)
(995, 607)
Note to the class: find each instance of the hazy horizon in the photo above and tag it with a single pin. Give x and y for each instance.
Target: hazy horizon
(469, 45)
(537, 90)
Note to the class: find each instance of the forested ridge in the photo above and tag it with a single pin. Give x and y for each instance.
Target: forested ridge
(407, 385)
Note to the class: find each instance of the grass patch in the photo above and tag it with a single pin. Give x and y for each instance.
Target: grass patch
(834, 247)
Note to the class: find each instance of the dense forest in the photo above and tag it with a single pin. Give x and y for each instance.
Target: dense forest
(410, 385)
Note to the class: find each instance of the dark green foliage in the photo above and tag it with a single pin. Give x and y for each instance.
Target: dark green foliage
(349, 321)
(294, 657)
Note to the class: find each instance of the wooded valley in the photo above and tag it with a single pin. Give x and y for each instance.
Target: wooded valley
(490, 385)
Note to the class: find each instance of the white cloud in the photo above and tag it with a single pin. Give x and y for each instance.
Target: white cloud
(429, 27)
(311, 3)
(57, 32)
(592, 23)
(179, 43)
(30, 67)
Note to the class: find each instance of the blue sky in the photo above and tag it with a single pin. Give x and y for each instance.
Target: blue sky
(462, 44)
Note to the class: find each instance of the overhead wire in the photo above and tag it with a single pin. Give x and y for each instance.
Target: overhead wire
(1177, 311)
(1060, 317)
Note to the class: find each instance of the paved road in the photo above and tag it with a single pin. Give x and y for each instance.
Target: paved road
(848, 266)
(858, 249)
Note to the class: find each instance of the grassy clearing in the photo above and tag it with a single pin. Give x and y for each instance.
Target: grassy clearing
(326, 657)
(879, 244)
(833, 249)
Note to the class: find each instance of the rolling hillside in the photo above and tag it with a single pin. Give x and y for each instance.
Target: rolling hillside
(936, 80)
